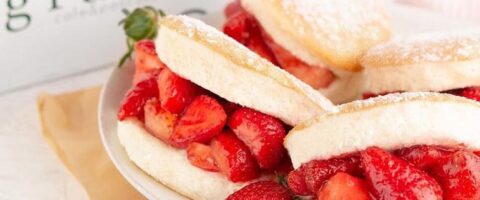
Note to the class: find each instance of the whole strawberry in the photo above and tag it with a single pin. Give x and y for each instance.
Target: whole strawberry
(262, 190)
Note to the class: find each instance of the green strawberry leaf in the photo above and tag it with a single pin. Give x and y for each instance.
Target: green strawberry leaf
(140, 24)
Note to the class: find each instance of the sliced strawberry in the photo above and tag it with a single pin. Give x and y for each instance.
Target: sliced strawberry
(233, 158)
(146, 59)
(159, 122)
(256, 44)
(262, 190)
(316, 76)
(392, 178)
(135, 99)
(233, 8)
(459, 176)
(471, 93)
(296, 182)
(238, 26)
(263, 134)
(343, 186)
(201, 156)
(203, 119)
(175, 92)
(424, 156)
(317, 172)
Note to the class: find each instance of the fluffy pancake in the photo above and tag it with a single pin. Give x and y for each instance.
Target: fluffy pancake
(331, 33)
(170, 166)
(427, 62)
(389, 122)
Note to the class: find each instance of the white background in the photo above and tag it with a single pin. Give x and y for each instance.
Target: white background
(76, 37)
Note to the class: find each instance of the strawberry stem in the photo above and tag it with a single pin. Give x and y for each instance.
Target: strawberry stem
(140, 24)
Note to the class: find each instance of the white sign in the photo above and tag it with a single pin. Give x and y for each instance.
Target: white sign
(42, 40)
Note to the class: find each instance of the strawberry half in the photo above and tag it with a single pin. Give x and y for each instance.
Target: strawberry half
(392, 178)
(200, 155)
(202, 120)
(135, 99)
(342, 186)
(263, 134)
(175, 92)
(459, 176)
(262, 190)
(238, 26)
(159, 122)
(146, 59)
(233, 158)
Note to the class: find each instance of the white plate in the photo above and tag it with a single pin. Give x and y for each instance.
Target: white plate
(406, 21)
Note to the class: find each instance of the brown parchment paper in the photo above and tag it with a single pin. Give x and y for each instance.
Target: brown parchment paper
(69, 124)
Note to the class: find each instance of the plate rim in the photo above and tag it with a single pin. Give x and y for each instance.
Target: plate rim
(103, 137)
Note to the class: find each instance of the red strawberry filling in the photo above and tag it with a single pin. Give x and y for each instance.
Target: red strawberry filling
(218, 136)
(263, 134)
(244, 28)
(146, 59)
(468, 92)
(417, 172)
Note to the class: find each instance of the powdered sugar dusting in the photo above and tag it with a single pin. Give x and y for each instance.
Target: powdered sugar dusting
(194, 28)
(335, 19)
(428, 47)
